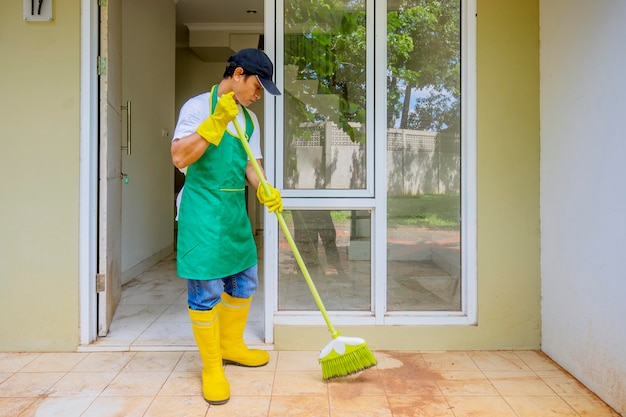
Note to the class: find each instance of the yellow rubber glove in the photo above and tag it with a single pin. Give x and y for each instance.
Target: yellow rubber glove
(213, 128)
(273, 202)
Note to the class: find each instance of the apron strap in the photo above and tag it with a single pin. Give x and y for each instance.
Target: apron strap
(249, 126)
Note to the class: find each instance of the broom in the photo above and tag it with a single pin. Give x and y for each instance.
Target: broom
(343, 355)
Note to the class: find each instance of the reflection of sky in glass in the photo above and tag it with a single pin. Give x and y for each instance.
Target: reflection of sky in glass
(421, 93)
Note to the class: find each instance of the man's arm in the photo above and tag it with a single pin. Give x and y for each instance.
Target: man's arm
(187, 150)
(251, 176)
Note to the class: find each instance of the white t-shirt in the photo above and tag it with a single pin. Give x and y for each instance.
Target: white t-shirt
(195, 111)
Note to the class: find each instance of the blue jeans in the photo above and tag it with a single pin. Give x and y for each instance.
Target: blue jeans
(205, 294)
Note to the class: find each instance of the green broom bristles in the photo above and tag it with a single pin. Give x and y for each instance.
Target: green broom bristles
(345, 356)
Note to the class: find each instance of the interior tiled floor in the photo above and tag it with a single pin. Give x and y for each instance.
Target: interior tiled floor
(152, 314)
(403, 384)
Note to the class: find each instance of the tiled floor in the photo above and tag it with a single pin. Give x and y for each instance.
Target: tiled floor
(149, 366)
(403, 384)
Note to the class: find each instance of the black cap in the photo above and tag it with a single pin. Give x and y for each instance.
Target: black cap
(254, 61)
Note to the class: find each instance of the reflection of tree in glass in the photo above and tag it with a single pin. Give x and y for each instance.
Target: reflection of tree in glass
(325, 43)
(423, 55)
(325, 40)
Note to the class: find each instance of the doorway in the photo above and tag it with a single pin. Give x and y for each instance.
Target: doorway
(152, 299)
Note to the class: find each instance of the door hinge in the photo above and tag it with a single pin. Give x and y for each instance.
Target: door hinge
(102, 2)
(100, 282)
(102, 65)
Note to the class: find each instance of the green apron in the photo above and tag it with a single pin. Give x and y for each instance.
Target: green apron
(214, 233)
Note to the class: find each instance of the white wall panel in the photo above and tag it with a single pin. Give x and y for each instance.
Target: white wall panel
(583, 195)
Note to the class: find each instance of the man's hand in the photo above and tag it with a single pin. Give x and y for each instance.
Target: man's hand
(273, 202)
(213, 128)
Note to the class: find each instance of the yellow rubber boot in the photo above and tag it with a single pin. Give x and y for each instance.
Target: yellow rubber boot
(233, 316)
(215, 386)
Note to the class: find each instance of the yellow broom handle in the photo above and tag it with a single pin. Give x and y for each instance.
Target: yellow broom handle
(244, 141)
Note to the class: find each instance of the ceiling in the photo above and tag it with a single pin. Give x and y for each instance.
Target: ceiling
(206, 25)
(213, 11)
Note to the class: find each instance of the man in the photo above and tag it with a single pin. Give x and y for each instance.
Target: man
(216, 251)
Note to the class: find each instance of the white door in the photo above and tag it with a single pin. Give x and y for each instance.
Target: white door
(109, 284)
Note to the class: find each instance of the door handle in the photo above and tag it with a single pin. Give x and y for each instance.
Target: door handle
(127, 107)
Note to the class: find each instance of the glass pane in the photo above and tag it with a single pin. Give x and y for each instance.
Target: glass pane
(335, 248)
(324, 93)
(423, 155)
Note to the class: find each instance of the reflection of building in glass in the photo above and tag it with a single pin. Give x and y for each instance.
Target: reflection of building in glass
(418, 162)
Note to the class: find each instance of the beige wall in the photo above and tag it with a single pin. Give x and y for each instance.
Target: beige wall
(508, 199)
(39, 178)
(148, 56)
(194, 76)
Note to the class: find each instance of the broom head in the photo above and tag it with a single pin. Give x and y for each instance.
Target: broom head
(345, 356)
